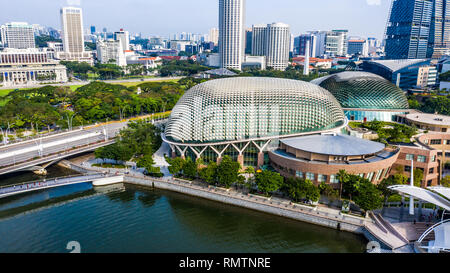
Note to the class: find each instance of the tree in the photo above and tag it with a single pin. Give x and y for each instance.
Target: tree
(342, 176)
(418, 176)
(268, 181)
(327, 190)
(369, 197)
(147, 162)
(176, 165)
(189, 168)
(445, 182)
(228, 171)
(299, 188)
(208, 174)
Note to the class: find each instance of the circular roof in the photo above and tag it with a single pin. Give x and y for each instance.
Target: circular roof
(339, 145)
(251, 107)
(363, 90)
(432, 119)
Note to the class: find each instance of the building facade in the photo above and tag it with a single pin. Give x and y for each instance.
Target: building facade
(319, 158)
(358, 46)
(73, 36)
(214, 36)
(244, 117)
(124, 38)
(336, 43)
(24, 67)
(439, 42)
(110, 50)
(232, 33)
(300, 43)
(17, 35)
(408, 29)
(259, 40)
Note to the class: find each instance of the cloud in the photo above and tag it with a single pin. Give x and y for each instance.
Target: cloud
(373, 2)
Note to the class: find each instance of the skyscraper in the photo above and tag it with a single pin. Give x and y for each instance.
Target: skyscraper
(259, 40)
(278, 43)
(274, 42)
(408, 29)
(214, 35)
(17, 35)
(231, 33)
(73, 36)
(123, 37)
(439, 41)
(336, 43)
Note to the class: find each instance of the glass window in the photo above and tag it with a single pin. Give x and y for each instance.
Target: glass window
(370, 176)
(322, 178)
(299, 174)
(421, 158)
(407, 168)
(409, 157)
(433, 158)
(333, 179)
(310, 176)
(435, 142)
(431, 170)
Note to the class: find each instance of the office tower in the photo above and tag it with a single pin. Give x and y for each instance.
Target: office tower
(274, 42)
(123, 37)
(321, 38)
(300, 43)
(111, 50)
(214, 35)
(231, 33)
(92, 29)
(408, 29)
(248, 41)
(439, 41)
(306, 64)
(277, 45)
(259, 40)
(336, 43)
(73, 36)
(17, 35)
(358, 46)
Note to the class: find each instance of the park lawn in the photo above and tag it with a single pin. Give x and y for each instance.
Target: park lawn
(130, 84)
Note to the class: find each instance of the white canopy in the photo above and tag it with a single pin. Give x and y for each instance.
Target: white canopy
(423, 194)
(442, 236)
(441, 190)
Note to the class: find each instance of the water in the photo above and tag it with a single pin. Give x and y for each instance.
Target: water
(131, 219)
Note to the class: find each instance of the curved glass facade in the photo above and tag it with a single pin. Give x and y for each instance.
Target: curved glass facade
(364, 90)
(242, 108)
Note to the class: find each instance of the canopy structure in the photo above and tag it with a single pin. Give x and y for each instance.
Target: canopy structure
(441, 190)
(423, 194)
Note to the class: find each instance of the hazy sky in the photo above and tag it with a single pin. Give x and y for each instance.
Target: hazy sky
(163, 17)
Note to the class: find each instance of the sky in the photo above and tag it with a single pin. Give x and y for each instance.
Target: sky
(366, 18)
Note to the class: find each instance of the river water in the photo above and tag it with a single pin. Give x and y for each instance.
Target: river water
(131, 219)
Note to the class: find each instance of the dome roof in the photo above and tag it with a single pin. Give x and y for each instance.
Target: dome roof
(363, 90)
(251, 107)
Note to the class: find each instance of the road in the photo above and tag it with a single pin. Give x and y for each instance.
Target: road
(87, 82)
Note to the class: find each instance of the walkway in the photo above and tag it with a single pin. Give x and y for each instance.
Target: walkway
(46, 184)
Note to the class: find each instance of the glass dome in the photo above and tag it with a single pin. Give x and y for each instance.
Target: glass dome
(250, 108)
(363, 90)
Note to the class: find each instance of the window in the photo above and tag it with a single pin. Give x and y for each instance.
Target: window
(310, 176)
(409, 157)
(379, 175)
(433, 158)
(321, 178)
(299, 174)
(431, 170)
(370, 176)
(407, 168)
(429, 183)
(435, 142)
(421, 158)
(333, 179)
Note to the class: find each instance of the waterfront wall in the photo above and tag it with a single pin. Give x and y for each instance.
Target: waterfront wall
(293, 211)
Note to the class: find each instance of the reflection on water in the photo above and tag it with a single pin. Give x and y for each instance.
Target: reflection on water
(26, 176)
(135, 219)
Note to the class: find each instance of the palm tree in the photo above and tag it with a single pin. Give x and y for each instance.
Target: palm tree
(343, 177)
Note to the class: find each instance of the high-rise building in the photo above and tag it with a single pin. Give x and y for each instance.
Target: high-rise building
(92, 29)
(321, 38)
(259, 40)
(248, 41)
(408, 29)
(231, 33)
(277, 45)
(336, 43)
(274, 42)
(301, 42)
(111, 51)
(214, 35)
(123, 37)
(439, 41)
(73, 36)
(17, 35)
(358, 46)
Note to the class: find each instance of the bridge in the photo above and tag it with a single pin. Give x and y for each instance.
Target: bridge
(15, 189)
(31, 154)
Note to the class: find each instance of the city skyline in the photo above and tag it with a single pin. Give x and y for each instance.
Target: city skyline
(138, 18)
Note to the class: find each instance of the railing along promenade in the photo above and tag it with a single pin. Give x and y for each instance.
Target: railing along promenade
(325, 213)
(14, 189)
